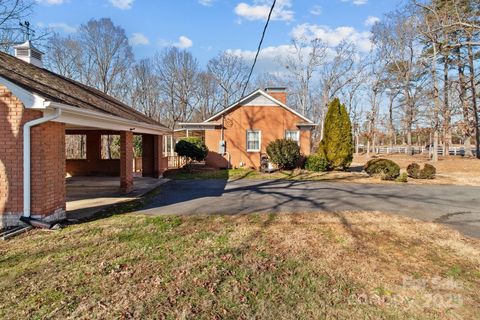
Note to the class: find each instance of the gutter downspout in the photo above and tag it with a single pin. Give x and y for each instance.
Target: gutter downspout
(26, 158)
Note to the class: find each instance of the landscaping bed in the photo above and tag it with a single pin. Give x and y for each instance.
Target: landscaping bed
(333, 266)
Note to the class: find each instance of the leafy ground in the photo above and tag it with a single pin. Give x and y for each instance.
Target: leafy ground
(353, 265)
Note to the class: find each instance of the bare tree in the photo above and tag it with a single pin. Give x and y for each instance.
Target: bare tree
(177, 71)
(11, 13)
(375, 90)
(107, 56)
(397, 37)
(146, 95)
(230, 72)
(434, 40)
(456, 26)
(336, 74)
(64, 56)
(302, 63)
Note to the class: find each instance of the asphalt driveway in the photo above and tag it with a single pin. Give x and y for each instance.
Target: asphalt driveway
(455, 206)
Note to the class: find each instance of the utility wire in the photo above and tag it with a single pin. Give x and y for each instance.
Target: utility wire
(259, 47)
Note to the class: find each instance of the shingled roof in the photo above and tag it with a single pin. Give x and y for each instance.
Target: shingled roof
(60, 89)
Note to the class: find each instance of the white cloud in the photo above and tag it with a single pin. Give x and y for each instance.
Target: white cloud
(360, 2)
(138, 39)
(371, 20)
(268, 59)
(357, 2)
(50, 2)
(316, 10)
(122, 4)
(62, 26)
(333, 37)
(206, 3)
(260, 9)
(183, 43)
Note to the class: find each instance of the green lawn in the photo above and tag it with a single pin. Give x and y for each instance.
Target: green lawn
(236, 174)
(308, 266)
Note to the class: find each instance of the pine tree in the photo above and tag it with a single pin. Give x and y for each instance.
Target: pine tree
(337, 144)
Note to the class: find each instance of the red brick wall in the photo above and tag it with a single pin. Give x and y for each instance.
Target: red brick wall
(126, 161)
(272, 121)
(280, 96)
(86, 167)
(48, 161)
(48, 168)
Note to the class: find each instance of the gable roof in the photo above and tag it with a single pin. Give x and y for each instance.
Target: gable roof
(253, 94)
(63, 90)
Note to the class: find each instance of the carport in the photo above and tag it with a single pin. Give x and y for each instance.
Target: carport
(39, 109)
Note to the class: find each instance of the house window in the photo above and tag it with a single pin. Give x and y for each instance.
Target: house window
(253, 140)
(293, 135)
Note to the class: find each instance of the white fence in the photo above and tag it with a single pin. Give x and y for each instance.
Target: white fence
(453, 151)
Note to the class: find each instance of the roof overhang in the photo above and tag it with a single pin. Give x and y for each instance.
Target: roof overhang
(81, 118)
(86, 118)
(199, 126)
(307, 125)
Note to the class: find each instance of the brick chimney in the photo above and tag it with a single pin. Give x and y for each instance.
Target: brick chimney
(279, 93)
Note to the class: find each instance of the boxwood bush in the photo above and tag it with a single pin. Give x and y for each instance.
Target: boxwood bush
(316, 163)
(285, 153)
(428, 171)
(386, 169)
(192, 148)
(413, 170)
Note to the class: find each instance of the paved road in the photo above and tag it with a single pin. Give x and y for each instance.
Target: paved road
(456, 206)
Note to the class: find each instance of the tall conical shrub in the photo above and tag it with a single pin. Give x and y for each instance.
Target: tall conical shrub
(337, 144)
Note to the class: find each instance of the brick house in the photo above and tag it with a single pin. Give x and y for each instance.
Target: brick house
(38, 109)
(238, 135)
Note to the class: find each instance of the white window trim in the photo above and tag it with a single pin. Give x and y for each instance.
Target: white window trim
(259, 140)
(298, 135)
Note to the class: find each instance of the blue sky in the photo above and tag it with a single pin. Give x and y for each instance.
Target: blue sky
(207, 27)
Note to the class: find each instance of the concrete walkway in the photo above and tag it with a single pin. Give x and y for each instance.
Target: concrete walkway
(89, 195)
(455, 206)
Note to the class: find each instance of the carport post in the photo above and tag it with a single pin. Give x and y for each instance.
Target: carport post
(126, 161)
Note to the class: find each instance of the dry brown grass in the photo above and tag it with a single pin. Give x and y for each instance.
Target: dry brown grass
(450, 170)
(353, 265)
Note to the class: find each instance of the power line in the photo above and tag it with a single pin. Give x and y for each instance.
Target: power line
(259, 47)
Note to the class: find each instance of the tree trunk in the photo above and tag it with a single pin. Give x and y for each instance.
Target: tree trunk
(474, 100)
(436, 102)
(391, 128)
(323, 113)
(465, 107)
(369, 137)
(447, 115)
(409, 120)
